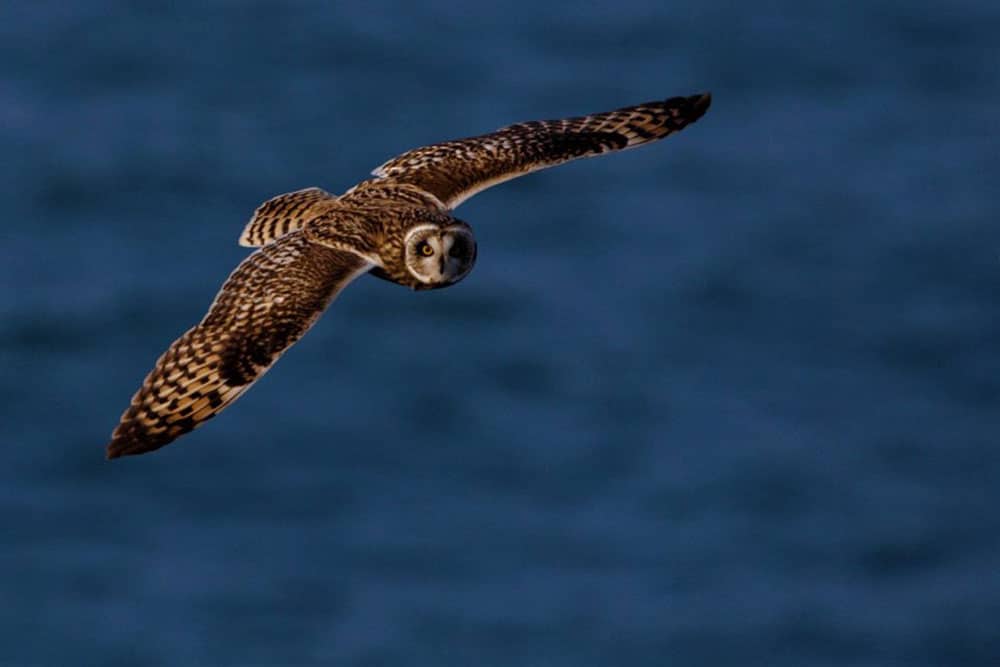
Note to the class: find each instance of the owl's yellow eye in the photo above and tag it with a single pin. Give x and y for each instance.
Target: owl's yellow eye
(425, 249)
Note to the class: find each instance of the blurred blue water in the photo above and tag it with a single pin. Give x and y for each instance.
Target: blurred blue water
(731, 399)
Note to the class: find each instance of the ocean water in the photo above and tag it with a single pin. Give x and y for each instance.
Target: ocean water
(730, 399)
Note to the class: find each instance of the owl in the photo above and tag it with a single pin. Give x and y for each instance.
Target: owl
(398, 226)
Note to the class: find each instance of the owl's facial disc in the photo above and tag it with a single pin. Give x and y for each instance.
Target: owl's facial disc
(440, 256)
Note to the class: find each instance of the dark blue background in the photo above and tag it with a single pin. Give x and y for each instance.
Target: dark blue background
(731, 399)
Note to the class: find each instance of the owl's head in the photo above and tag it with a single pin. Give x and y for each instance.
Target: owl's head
(439, 255)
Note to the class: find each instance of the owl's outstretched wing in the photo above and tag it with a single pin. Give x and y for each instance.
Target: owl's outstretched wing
(268, 303)
(453, 171)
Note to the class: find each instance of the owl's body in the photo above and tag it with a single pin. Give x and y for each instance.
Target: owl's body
(397, 226)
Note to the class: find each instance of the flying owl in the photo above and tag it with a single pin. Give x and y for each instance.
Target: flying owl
(397, 226)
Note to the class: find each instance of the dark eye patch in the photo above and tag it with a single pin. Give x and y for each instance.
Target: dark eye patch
(459, 247)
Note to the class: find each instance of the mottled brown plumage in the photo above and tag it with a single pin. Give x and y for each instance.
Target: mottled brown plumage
(285, 213)
(453, 171)
(268, 302)
(397, 226)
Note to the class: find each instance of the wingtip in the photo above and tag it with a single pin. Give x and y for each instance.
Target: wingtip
(689, 108)
(125, 446)
(114, 450)
(701, 101)
(126, 443)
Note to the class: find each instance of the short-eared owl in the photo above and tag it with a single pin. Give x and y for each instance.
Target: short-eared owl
(397, 226)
